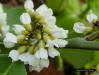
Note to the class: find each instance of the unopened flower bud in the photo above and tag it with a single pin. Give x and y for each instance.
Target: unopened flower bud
(79, 27)
(88, 29)
(41, 21)
(29, 5)
(38, 36)
(20, 38)
(22, 49)
(28, 27)
(30, 11)
(41, 44)
(18, 28)
(31, 49)
(91, 18)
(25, 18)
(46, 37)
(46, 30)
(25, 32)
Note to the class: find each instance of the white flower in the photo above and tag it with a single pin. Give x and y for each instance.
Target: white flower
(50, 20)
(42, 53)
(91, 17)
(25, 18)
(44, 11)
(53, 52)
(33, 61)
(14, 55)
(25, 57)
(29, 5)
(18, 28)
(10, 40)
(57, 43)
(1, 8)
(60, 43)
(4, 29)
(79, 27)
(42, 63)
(35, 68)
(3, 17)
(59, 32)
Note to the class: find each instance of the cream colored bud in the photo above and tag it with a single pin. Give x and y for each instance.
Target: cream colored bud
(25, 32)
(42, 21)
(20, 38)
(46, 37)
(31, 49)
(38, 36)
(41, 44)
(22, 49)
(28, 27)
(88, 29)
(46, 30)
(34, 14)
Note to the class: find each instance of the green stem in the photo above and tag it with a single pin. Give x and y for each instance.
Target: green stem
(92, 36)
(81, 43)
(59, 63)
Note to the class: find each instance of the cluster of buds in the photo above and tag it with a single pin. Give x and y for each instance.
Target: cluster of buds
(81, 28)
(35, 39)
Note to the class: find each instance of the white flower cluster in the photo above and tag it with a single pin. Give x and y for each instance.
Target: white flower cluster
(37, 37)
(3, 24)
(80, 27)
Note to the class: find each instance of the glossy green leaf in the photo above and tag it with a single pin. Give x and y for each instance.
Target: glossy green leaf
(77, 57)
(7, 67)
(13, 15)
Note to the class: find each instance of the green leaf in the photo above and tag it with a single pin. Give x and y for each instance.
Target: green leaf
(95, 74)
(81, 43)
(13, 15)
(7, 67)
(77, 57)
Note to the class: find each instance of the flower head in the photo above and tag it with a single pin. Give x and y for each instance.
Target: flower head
(79, 27)
(28, 4)
(14, 54)
(42, 53)
(53, 52)
(40, 36)
(91, 17)
(18, 28)
(5, 29)
(10, 40)
(25, 18)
